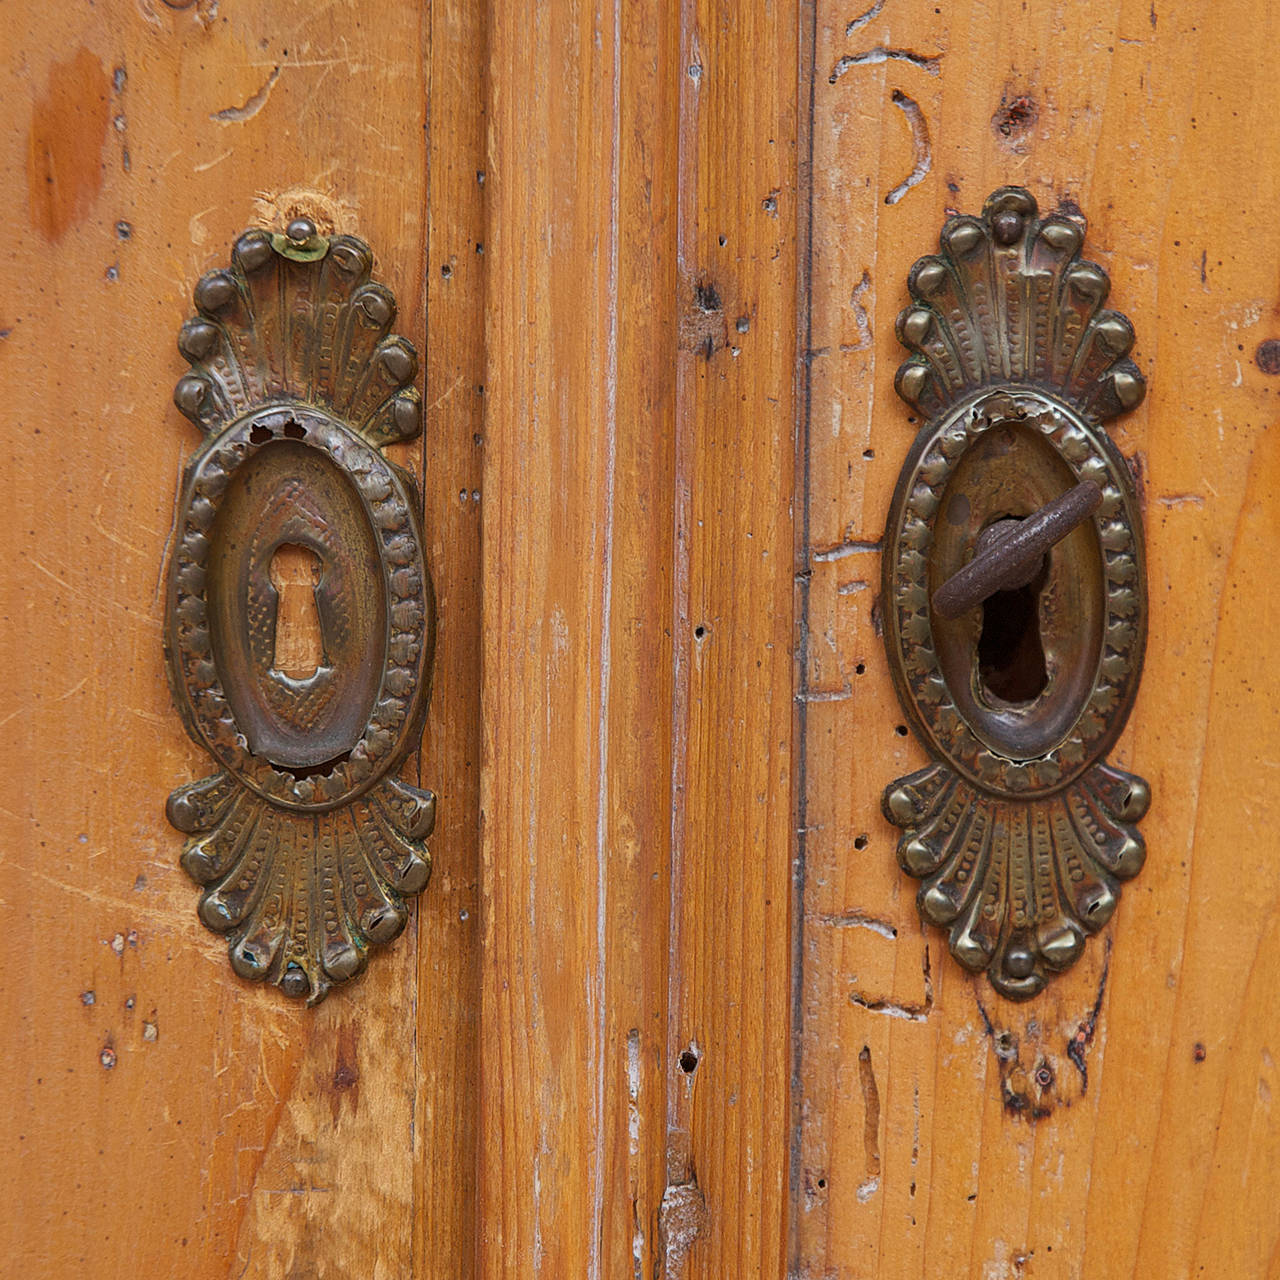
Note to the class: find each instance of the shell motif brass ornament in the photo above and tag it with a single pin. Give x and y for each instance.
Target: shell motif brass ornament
(1020, 831)
(304, 842)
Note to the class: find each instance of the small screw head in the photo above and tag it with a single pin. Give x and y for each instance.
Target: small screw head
(300, 230)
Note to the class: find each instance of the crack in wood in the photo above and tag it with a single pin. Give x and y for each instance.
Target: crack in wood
(862, 19)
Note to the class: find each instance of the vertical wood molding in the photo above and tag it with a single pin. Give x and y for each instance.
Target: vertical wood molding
(637, 809)
(636, 790)
(578, 458)
(737, 383)
(447, 1028)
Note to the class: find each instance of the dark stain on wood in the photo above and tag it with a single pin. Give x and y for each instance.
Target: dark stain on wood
(345, 1080)
(1083, 1038)
(1015, 117)
(69, 125)
(1138, 470)
(1034, 1089)
(702, 320)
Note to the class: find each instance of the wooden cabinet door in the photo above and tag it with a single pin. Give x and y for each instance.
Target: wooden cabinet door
(168, 1119)
(666, 1008)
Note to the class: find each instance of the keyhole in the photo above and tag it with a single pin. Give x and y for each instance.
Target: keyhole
(295, 574)
(1011, 661)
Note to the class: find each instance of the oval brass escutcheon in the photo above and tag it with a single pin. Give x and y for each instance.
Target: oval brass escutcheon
(292, 494)
(304, 744)
(1019, 831)
(1023, 691)
(300, 620)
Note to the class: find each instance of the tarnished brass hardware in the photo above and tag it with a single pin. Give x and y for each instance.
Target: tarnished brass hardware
(304, 841)
(1014, 498)
(1010, 552)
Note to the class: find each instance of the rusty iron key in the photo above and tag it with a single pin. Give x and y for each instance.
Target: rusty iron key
(1009, 552)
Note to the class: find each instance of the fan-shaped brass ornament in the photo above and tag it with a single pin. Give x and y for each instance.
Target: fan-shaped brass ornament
(1019, 831)
(303, 840)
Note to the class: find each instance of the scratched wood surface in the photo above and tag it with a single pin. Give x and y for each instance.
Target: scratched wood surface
(734, 801)
(446, 1047)
(162, 1117)
(636, 797)
(1122, 1124)
(551, 254)
(659, 250)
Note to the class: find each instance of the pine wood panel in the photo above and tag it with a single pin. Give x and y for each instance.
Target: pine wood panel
(636, 797)
(638, 765)
(548, 479)
(734, 800)
(577, 641)
(169, 1119)
(933, 1140)
(447, 1041)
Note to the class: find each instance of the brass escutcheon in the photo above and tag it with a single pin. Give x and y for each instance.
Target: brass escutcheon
(304, 841)
(1015, 594)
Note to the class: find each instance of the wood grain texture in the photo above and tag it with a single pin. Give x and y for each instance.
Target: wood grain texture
(577, 640)
(638, 769)
(164, 1117)
(638, 615)
(943, 1130)
(666, 1008)
(446, 1047)
(734, 805)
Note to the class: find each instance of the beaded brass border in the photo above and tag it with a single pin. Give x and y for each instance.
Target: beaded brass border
(1020, 859)
(304, 869)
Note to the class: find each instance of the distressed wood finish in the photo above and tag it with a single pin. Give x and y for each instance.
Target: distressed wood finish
(661, 249)
(638, 615)
(943, 1130)
(446, 1049)
(733, 801)
(168, 1119)
(553, 420)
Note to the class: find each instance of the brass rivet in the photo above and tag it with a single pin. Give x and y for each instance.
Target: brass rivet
(1007, 227)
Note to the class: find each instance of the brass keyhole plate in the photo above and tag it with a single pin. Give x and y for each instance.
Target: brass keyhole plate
(304, 841)
(1020, 831)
